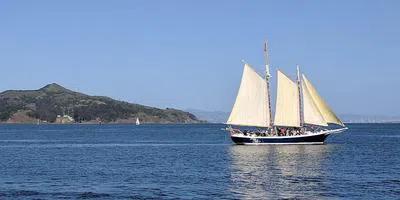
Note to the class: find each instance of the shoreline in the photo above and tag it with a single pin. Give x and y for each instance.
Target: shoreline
(166, 123)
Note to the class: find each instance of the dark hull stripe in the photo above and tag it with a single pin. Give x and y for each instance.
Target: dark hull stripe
(315, 139)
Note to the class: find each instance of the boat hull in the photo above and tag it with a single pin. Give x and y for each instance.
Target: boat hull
(310, 138)
(307, 139)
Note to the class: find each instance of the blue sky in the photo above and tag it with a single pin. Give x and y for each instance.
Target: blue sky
(186, 54)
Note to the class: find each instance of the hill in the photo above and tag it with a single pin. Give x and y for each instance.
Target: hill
(52, 101)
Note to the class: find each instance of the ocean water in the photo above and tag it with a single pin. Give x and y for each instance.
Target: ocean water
(193, 162)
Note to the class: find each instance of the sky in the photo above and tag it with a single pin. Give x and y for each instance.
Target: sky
(187, 54)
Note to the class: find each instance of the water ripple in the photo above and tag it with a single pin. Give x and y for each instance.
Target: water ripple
(193, 162)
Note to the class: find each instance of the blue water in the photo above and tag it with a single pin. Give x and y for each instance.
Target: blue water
(193, 162)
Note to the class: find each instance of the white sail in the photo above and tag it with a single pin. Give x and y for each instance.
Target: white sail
(312, 115)
(326, 112)
(287, 112)
(137, 121)
(251, 107)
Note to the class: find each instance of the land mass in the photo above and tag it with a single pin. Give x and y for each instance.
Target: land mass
(56, 104)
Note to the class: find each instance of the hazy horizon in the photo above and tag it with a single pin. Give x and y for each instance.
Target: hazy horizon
(187, 55)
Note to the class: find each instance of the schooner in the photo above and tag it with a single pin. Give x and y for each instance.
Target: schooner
(301, 115)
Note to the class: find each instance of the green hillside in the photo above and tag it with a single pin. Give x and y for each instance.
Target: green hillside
(45, 104)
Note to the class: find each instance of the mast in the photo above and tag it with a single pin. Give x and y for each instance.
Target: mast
(300, 95)
(267, 77)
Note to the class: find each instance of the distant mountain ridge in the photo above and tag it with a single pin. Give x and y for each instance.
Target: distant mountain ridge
(222, 117)
(210, 116)
(45, 104)
(352, 118)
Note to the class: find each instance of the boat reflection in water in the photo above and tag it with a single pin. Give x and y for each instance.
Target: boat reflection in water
(275, 171)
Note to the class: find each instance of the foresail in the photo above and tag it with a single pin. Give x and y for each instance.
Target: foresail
(326, 112)
(312, 115)
(287, 112)
(251, 107)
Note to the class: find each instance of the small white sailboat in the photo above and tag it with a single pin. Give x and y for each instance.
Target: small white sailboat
(137, 121)
(301, 115)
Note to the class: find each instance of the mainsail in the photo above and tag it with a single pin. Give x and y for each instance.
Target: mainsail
(251, 107)
(312, 115)
(287, 112)
(326, 112)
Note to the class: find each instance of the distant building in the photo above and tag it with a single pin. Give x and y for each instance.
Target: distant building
(65, 119)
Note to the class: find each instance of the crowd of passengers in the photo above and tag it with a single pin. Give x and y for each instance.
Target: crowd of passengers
(278, 132)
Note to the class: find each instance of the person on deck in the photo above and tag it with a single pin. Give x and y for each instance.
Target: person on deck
(282, 132)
